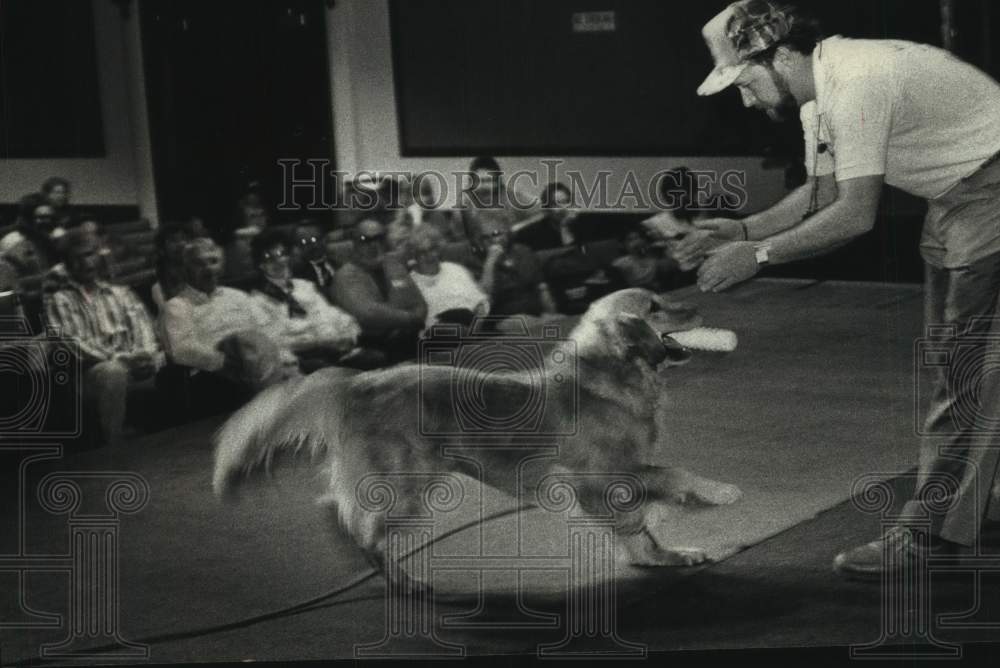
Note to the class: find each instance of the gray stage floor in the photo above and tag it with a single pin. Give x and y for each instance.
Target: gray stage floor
(819, 394)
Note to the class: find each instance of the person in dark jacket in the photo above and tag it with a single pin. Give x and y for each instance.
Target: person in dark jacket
(375, 287)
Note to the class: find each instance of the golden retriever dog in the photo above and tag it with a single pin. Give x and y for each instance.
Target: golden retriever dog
(603, 405)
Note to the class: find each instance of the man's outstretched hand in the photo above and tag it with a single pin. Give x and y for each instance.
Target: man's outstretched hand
(690, 243)
(705, 236)
(727, 265)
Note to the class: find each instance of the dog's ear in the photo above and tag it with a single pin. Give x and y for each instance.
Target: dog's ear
(641, 341)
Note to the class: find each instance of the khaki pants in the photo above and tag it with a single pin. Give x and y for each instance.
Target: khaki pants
(106, 389)
(960, 447)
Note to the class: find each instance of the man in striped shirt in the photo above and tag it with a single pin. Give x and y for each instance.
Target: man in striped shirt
(111, 327)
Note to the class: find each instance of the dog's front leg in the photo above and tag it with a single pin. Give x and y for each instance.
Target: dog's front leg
(635, 543)
(370, 532)
(645, 550)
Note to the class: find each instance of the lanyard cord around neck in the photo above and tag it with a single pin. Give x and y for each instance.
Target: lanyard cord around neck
(814, 196)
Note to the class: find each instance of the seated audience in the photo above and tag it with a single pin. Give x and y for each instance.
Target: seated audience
(250, 218)
(554, 227)
(251, 212)
(24, 267)
(10, 303)
(416, 206)
(487, 190)
(36, 212)
(36, 221)
(375, 288)
(110, 325)
(445, 286)
(15, 252)
(361, 200)
(309, 260)
(398, 233)
(299, 316)
(642, 266)
(576, 278)
(111, 250)
(508, 272)
(336, 243)
(22, 338)
(488, 178)
(170, 241)
(394, 198)
(372, 196)
(195, 225)
(56, 192)
(424, 209)
(221, 330)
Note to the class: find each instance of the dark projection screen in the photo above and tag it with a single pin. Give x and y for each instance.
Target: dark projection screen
(514, 78)
(50, 104)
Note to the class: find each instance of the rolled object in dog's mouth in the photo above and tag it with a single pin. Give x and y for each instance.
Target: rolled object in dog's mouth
(675, 352)
(707, 339)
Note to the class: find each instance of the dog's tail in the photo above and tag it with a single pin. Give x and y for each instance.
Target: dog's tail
(295, 418)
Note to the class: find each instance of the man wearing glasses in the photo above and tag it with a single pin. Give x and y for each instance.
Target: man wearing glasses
(375, 287)
(309, 258)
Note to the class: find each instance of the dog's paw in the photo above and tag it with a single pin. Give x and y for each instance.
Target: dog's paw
(642, 551)
(683, 556)
(713, 493)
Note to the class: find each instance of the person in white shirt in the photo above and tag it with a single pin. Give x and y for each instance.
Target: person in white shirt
(878, 112)
(221, 330)
(298, 315)
(445, 286)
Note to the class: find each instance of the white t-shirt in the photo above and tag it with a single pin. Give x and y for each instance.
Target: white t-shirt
(453, 287)
(911, 112)
(193, 323)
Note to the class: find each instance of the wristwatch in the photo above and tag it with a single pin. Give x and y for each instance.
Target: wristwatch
(761, 252)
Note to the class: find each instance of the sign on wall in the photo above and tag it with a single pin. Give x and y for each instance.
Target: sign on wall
(593, 22)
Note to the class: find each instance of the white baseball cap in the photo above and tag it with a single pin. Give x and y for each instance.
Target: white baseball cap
(741, 30)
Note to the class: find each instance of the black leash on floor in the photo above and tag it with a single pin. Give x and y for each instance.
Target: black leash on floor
(290, 611)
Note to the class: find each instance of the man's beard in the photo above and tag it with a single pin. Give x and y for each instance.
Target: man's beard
(783, 112)
(788, 107)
